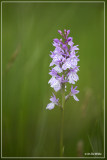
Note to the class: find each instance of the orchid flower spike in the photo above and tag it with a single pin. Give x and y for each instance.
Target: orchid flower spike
(64, 67)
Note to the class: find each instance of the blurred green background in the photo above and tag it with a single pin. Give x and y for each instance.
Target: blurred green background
(27, 33)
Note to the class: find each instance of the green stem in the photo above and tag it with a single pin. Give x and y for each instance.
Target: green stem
(62, 122)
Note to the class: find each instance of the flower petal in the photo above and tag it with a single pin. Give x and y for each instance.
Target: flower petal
(57, 69)
(75, 97)
(50, 106)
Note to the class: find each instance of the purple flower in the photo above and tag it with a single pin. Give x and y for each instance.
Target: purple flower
(60, 32)
(72, 76)
(64, 65)
(57, 58)
(70, 42)
(53, 73)
(74, 92)
(68, 31)
(55, 83)
(54, 102)
(58, 69)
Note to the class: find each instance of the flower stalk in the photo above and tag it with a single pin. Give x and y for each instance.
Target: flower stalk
(62, 122)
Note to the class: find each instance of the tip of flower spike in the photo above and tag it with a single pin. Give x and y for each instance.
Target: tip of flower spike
(68, 31)
(65, 31)
(60, 32)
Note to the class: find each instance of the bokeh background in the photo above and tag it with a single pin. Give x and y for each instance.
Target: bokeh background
(29, 129)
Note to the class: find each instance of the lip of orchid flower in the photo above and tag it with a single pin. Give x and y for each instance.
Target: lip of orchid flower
(50, 106)
(55, 83)
(58, 69)
(75, 48)
(73, 77)
(70, 43)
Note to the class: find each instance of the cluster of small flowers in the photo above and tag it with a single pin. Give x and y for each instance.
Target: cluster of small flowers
(64, 66)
